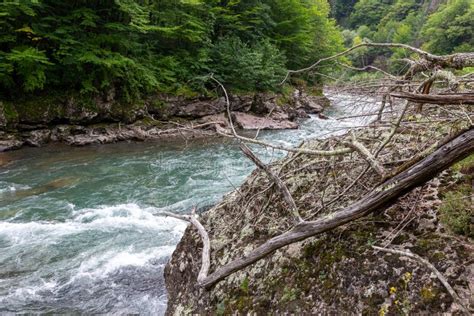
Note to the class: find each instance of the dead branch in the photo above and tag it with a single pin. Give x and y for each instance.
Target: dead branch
(439, 275)
(206, 249)
(381, 197)
(276, 180)
(335, 152)
(442, 99)
(365, 153)
(426, 61)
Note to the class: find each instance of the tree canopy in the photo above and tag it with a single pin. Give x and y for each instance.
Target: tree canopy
(138, 47)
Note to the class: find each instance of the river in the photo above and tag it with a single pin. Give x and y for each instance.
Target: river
(77, 230)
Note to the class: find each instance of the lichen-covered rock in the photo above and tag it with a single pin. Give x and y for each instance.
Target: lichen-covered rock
(337, 272)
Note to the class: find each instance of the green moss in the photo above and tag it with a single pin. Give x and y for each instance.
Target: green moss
(438, 256)
(245, 286)
(40, 109)
(457, 211)
(11, 115)
(186, 92)
(465, 166)
(428, 244)
(289, 295)
(158, 104)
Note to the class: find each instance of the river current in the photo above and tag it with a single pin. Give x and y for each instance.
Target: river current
(77, 230)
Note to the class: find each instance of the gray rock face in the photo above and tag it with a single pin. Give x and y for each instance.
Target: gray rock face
(250, 122)
(75, 122)
(9, 142)
(36, 138)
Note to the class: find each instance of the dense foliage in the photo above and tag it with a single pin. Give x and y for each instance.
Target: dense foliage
(441, 26)
(137, 47)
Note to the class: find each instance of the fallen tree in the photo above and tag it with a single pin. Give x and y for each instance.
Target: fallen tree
(441, 99)
(381, 197)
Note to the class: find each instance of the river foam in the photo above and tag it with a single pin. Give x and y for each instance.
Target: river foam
(78, 234)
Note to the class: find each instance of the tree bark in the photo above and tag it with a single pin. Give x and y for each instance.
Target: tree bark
(442, 99)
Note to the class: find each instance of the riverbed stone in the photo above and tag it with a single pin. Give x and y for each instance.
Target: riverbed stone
(252, 122)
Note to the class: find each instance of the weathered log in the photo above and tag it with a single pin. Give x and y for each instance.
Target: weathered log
(441, 99)
(365, 153)
(276, 180)
(381, 197)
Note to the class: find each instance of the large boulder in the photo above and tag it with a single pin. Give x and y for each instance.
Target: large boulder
(249, 121)
(199, 108)
(10, 142)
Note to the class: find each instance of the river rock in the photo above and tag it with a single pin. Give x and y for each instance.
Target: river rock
(103, 119)
(248, 121)
(333, 273)
(199, 108)
(262, 104)
(36, 138)
(10, 143)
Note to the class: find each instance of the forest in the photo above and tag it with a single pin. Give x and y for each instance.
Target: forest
(228, 157)
(137, 48)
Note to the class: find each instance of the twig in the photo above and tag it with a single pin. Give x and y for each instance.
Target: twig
(206, 249)
(280, 184)
(439, 275)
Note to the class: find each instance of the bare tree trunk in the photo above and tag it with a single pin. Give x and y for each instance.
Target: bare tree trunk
(442, 99)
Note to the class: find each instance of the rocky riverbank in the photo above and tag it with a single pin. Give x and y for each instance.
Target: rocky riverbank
(337, 272)
(103, 120)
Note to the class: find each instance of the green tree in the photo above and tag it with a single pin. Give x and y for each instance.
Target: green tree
(451, 28)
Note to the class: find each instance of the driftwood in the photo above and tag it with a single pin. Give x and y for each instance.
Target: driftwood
(381, 197)
(442, 99)
(276, 180)
(205, 258)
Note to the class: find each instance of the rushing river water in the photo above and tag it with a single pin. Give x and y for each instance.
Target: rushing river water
(77, 232)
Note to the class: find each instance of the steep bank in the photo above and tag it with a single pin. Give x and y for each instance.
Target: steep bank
(104, 120)
(337, 272)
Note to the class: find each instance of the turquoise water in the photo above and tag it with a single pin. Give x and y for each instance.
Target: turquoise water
(77, 230)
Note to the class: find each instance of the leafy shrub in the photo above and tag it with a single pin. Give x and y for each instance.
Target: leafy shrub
(247, 68)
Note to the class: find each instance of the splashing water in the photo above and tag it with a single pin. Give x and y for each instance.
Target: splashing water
(77, 230)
